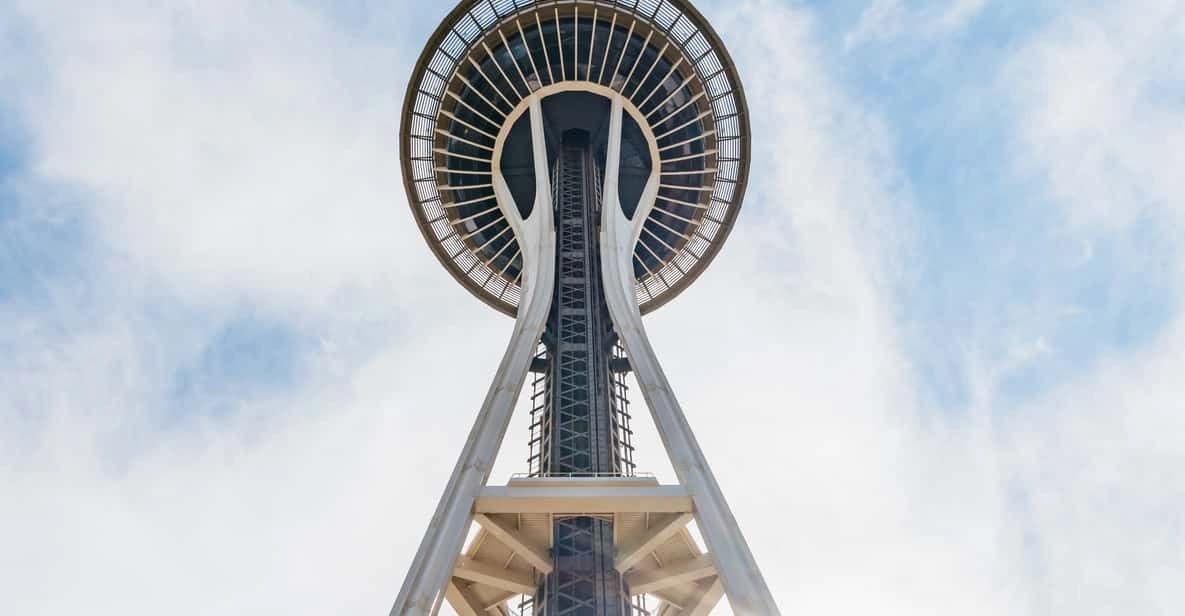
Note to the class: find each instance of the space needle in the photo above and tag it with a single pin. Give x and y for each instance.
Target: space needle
(576, 164)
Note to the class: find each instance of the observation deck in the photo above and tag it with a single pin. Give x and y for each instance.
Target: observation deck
(466, 102)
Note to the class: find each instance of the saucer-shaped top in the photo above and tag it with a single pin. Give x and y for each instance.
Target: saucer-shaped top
(488, 56)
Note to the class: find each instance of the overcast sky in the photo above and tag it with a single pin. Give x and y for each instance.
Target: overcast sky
(937, 368)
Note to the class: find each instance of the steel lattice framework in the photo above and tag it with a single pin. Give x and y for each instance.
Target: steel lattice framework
(583, 424)
(582, 437)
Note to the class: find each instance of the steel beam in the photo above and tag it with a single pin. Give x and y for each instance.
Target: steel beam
(462, 601)
(628, 556)
(651, 580)
(502, 579)
(522, 546)
(433, 564)
(632, 554)
(707, 600)
(746, 588)
(586, 500)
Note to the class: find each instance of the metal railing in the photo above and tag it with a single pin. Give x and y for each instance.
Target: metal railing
(583, 476)
(690, 40)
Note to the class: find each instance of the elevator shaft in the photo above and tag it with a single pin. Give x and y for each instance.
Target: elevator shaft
(582, 420)
(581, 405)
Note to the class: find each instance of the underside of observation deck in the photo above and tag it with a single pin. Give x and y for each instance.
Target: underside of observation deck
(488, 57)
(654, 552)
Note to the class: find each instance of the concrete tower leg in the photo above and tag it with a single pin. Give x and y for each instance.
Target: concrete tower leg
(743, 584)
(433, 564)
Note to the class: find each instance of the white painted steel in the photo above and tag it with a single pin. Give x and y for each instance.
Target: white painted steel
(697, 568)
(434, 564)
(526, 549)
(575, 86)
(434, 561)
(674, 31)
(577, 500)
(630, 555)
(742, 581)
(498, 577)
(708, 600)
(463, 602)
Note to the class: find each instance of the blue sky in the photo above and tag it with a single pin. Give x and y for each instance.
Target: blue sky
(950, 317)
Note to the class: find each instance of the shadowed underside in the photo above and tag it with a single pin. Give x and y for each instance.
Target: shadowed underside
(469, 89)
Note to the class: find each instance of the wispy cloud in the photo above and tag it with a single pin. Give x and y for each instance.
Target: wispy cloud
(1101, 106)
(813, 374)
(1099, 459)
(224, 181)
(222, 146)
(887, 20)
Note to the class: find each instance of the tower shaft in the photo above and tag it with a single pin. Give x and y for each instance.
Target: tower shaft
(580, 407)
(579, 332)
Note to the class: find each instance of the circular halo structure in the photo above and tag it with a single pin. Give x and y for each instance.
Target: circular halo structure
(489, 56)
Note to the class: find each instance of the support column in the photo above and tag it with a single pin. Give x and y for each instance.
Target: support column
(742, 581)
(433, 564)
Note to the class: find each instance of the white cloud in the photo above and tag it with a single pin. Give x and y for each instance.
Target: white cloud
(888, 20)
(1099, 470)
(227, 155)
(880, 20)
(1097, 462)
(957, 14)
(296, 504)
(234, 146)
(324, 490)
(788, 361)
(1102, 111)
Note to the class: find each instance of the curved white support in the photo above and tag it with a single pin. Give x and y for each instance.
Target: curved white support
(575, 86)
(743, 584)
(436, 558)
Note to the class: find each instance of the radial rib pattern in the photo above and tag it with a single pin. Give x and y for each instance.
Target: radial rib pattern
(489, 55)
